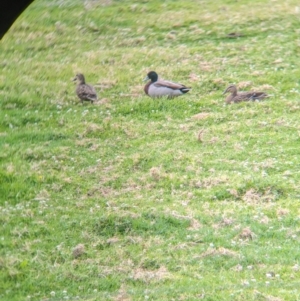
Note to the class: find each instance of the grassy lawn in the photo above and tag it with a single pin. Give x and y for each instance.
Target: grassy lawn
(134, 198)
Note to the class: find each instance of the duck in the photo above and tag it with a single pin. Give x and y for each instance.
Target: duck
(236, 96)
(84, 91)
(159, 88)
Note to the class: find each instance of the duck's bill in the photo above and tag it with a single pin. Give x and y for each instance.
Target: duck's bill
(146, 78)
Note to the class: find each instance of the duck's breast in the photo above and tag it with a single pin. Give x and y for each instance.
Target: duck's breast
(146, 88)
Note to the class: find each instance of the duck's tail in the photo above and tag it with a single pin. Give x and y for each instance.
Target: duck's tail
(259, 95)
(185, 89)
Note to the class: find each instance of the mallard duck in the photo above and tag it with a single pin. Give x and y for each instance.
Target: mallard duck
(83, 90)
(159, 88)
(242, 96)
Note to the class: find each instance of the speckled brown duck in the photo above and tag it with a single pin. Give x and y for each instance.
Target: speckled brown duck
(159, 88)
(236, 96)
(84, 91)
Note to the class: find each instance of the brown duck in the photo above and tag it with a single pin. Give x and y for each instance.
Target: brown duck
(84, 91)
(242, 96)
(159, 88)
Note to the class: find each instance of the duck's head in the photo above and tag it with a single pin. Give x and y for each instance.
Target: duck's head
(79, 78)
(230, 89)
(152, 75)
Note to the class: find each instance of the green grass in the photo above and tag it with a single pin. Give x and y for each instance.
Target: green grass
(161, 202)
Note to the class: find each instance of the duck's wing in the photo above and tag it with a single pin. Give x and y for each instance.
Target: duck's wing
(258, 95)
(242, 96)
(168, 84)
(86, 92)
(247, 96)
(170, 87)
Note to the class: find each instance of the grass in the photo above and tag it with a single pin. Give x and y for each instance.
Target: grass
(140, 199)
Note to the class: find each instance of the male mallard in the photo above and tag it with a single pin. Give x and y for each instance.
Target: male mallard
(159, 88)
(242, 96)
(83, 90)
